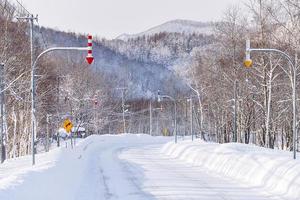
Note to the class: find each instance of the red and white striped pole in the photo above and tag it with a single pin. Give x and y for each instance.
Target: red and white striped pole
(90, 57)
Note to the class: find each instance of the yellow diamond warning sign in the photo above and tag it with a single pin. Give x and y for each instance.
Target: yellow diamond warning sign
(68, 125)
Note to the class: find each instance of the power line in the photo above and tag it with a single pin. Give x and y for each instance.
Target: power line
(39, 27)
(43, 38)
(23, 7)
(6, 6)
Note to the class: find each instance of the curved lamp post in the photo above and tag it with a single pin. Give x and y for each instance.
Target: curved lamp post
(160, 98)
(248, 63)
(33, 122)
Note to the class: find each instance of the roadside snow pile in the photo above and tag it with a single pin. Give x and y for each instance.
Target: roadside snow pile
(71, 174)
(273, 170)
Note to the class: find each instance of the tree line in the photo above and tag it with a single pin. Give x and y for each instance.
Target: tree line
(66, 87)
(262, 94)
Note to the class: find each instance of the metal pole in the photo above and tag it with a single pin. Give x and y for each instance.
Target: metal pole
(186, 119)
(95, 120)
(175, 110)
(33, 122)
(33, 119)
(3, 153)
(31, 19)
(108, 128)
(294, 85)
(235, 113)
(47, 137)
(200, 104)
(295, 108)
(123, 106)
(191, 119)
(150, 122)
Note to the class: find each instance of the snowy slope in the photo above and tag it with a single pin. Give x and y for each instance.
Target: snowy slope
(141, 78)
(174, 26)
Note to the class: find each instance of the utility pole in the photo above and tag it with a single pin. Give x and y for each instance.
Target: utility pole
(33, 119)
(3, 152)
(150, 122)
(31, 19)
(123, 108)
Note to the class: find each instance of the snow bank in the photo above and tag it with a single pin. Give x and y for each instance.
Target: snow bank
(273, 170)
(70, 174)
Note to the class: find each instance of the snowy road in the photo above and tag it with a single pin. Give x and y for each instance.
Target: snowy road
(123, 167)
(164, 178)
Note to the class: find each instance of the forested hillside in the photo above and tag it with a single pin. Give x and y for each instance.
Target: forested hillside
(261, 96)
(65, 87)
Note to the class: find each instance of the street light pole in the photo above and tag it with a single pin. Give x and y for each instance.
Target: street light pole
(235, 113)
(150, 122)
(123, 109)
(47, 133)
(33, 122)
(295, 134)
(160, 97)
(191, 118)
(175, 120)
(3, 153)
(200, 104)
(248, 63)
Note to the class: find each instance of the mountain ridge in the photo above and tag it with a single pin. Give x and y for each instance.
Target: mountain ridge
(173, 26)
(142, 78)
(144, 64)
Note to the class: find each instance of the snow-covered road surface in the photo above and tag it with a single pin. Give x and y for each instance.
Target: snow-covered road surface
(162, 177)
(125, 167)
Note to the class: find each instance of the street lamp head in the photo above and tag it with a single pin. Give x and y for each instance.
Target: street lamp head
(248, 62)
(158, 96)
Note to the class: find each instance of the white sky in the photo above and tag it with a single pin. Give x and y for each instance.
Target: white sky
(111, 18)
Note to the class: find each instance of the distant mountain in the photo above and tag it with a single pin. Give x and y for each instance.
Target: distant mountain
(174, 26)
(142, 79)
(169, 44)
(143, 64)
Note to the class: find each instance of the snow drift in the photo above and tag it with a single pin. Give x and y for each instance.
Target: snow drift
(80, 173)
(273, 170)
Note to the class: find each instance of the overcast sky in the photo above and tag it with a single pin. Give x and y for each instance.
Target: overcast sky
(111, 18)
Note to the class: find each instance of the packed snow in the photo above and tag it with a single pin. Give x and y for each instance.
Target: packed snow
(135, 167)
